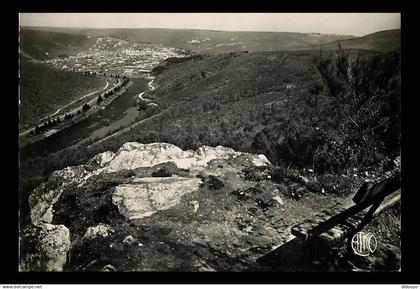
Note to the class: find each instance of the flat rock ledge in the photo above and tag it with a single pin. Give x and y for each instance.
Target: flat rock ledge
(45, 244)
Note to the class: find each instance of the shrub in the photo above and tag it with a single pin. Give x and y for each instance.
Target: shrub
(213, 183)
(365, 91)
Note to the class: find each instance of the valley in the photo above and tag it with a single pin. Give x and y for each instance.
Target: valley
(120, 113)
(197, 150)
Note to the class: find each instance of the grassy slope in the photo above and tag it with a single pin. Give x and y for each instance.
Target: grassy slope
(384, 41)
(43, 90)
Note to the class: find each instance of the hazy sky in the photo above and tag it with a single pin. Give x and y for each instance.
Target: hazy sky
(357, 24)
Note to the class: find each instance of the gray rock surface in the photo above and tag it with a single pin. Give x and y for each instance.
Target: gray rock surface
(101, 230)
(145, 196)
(47, 248)
(156, 207)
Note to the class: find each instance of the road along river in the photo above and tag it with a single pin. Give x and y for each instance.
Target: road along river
(119, 113)
(66, 106)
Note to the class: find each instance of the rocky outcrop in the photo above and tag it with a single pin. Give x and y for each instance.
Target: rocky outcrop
(44, 247)
(135, 155)
(101, 230)
(145, 196)
(47, 243)
(45, 195)
(156, 207)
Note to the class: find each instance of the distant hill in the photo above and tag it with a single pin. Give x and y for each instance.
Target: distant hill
(203, 41)
(49, 44)
(383, 41)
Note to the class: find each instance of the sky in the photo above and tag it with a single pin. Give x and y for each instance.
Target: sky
(357, 24)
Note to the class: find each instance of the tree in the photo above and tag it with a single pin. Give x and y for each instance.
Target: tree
(85, 107)
(99, 100)
(364, 89)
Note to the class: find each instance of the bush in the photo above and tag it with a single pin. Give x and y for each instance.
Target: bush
(213, 183)
(85, 107)
(365, 91)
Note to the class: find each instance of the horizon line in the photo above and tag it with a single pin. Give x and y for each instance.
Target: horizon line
(202, 29)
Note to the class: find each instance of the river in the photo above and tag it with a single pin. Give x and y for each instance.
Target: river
(119, 113)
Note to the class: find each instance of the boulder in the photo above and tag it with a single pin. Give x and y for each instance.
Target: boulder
(135, 155)
(44, 247)
(129, 240)
(145, 196)
(45, 195)
(129, 193)
(108, 268)
(101, 230)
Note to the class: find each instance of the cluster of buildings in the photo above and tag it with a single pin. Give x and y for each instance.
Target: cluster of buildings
(115, 56)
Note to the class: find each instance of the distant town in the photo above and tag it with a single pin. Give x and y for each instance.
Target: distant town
(117, 56)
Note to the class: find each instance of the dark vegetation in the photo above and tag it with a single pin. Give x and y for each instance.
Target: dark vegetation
(365, 92)
(47, 125)
(168, 169)
(172, 60)
(43, 90)
(212, 182)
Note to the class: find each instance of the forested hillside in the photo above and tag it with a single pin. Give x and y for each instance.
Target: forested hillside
(44, 89)
(300, 109)
(48, 44)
